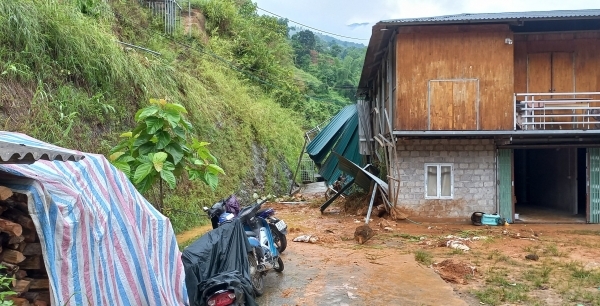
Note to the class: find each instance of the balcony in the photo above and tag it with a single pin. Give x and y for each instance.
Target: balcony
(557, 111)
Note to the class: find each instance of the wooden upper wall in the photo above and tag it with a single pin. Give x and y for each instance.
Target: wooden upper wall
(454, 78)
(563, 62)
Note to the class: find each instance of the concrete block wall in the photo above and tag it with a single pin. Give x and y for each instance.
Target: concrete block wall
(474, 166)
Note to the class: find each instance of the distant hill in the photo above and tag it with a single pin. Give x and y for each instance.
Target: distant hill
(327, 38)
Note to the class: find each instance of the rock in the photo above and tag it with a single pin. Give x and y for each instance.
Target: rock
(306, 238)
(532, 257)
(387, 228)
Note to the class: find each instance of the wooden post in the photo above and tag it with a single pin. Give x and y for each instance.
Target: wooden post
(298, 166)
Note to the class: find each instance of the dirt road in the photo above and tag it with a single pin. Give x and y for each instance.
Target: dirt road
(322, 275)
(406, 264)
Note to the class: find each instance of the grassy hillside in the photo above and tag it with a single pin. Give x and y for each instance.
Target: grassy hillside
(65, 79)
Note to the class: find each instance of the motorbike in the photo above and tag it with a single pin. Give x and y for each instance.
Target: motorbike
(217, 267)
(264, 256)
(278, 227)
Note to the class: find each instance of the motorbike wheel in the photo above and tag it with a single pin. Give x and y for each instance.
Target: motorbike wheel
(280, 265)
(279, 239)
(256, 278)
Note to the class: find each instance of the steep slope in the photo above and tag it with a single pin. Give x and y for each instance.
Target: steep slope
(66, 79)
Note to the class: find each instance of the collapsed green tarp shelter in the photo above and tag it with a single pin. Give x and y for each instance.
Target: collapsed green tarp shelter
(340, 136)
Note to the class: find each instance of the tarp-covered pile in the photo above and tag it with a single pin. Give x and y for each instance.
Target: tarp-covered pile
(219, 257)
(103, 243)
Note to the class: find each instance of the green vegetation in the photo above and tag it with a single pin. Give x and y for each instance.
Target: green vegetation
(424, 257)
(159, 148)
(65, 79)
(5, 288)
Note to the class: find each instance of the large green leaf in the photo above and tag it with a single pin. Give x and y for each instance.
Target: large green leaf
(187, 125)
(142, 171)
(179, 131)
(214, 169)
(146, 183)
(146, 112)
(123, 166)
(168, 177)
(167, 165)
(176, 107)
(173, 117)
(163, 139)
(195, 174)
(211, 179)
(158, 160)
(176, 152)
(147, 148)
(154, 124)
(142, 139)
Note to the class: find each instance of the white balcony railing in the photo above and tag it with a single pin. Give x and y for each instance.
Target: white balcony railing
(557, 111)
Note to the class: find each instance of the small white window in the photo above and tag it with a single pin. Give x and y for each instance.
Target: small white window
(439, 181)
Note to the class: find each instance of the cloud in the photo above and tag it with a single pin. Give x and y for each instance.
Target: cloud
(357, 25)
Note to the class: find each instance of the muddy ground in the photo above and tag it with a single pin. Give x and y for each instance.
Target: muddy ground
(415, 264)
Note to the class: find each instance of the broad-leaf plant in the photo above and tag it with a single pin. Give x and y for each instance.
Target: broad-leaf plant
(161, 147)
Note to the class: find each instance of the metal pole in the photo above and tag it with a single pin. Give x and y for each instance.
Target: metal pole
(374, 192)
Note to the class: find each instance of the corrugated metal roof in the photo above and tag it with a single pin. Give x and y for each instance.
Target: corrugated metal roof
(500, 16)
(347, 146)
(324, 141)
(15, 152)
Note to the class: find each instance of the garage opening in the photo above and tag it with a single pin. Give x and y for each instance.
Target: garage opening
(550, 185)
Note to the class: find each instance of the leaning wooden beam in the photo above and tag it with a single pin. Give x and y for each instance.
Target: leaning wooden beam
(335, 196)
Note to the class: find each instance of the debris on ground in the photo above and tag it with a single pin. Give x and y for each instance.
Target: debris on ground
(454, 271)
(307, 238)
(363, 233)
(457, 244)
(532, 257)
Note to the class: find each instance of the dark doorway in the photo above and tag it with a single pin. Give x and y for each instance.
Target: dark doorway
(550, 185)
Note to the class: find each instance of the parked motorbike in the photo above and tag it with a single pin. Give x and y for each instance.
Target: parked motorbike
(264, 256)
(277, 226)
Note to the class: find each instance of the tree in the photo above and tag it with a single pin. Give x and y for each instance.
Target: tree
(160, 147)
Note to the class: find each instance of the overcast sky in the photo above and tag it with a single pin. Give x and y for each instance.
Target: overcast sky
(354, 18)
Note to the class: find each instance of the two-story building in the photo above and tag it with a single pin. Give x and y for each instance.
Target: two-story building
(487, 112)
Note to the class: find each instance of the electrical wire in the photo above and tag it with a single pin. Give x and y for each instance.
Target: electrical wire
(338, 35)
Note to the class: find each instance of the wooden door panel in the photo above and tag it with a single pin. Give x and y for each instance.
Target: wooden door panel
(539, 72)
(452, 105)
(464, 105)
(562, 72)
(440, 105)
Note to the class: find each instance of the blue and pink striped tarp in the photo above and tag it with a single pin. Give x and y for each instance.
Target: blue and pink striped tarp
(103, 243)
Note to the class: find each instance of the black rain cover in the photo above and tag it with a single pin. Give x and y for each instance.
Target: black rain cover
(220, 255)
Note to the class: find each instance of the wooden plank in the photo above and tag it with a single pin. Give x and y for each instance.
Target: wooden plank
(38, 283)
(12, 228)
(12, 256)
(34, 262)
(520, 75)
(21, 285)
(5, 193)
(32, 249)
(539, 72)
(17, 301)
(440, 105)
(464, 105)
(423, 57)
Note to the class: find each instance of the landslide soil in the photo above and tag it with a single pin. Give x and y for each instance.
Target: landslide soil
(411, 264)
